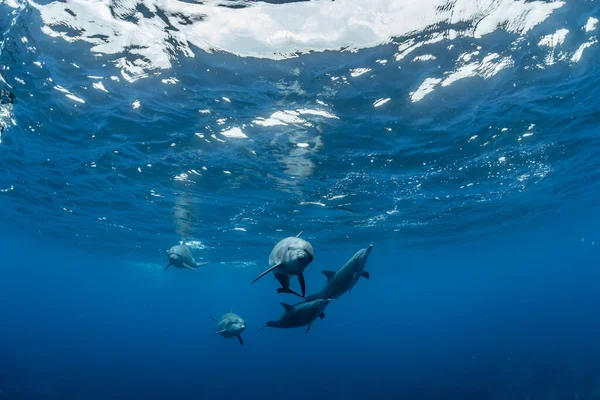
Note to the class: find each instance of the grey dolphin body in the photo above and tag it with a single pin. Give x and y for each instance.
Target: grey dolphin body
(345, 278)
(230, 325)
(300, 315)
(290, 256)
(180, 256)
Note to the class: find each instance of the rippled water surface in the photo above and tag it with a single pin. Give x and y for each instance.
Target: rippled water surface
(139, 122)
(126, 125)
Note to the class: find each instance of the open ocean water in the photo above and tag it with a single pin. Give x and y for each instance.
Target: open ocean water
(460, 138)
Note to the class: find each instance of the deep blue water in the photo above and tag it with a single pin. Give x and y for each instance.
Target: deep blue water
(459, 138)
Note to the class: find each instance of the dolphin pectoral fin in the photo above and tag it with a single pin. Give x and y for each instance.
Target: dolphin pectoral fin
(308, 328)
(328, 274)
(298, 235)
(217, 333)
(262, 328)
(322, 315)
(167, 267)
(302, 284)
(289, 291)
(241, 341)
(189, 267)
(266, 272)
(199, 264)
(287, 307)
(365, 275)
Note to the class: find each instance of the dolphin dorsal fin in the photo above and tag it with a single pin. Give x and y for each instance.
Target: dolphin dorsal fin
(287, 307)
(298, 235)
(328, 274)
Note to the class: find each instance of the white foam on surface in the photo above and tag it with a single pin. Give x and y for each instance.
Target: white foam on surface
(380, 102)
(288, 117)
(591, 24)
(69, 95)
(489, 66)
(99, 86)
(320, 113)
(171, 81)
(424, 57)
(576, 57)
(75, 98)
(274, 31)
(426, 87)
(359, 71)
(554, 40)
(11, 3)
(195, 245)
(234, 133)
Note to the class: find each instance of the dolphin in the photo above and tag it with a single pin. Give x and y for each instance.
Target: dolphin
(180, 256)
(299, 315)
(345, 278)
(290, 256)
(230, 325)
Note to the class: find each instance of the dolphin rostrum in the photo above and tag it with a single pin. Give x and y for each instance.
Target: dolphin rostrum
(180, 256)
(299, 315)
(345, 278)
(230, 325)
(290, 256)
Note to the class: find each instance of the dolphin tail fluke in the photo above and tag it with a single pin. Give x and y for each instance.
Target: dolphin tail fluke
(217, 333)
(365, 275)
(189, 267)
(167, 267)
(241, 340)
(302, 284)
(289, 291)
(266, 272)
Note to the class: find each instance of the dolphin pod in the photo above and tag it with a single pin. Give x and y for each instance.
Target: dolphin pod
(289, 257)
(313, 306)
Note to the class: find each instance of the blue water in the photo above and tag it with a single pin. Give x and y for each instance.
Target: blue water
(129, 134)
